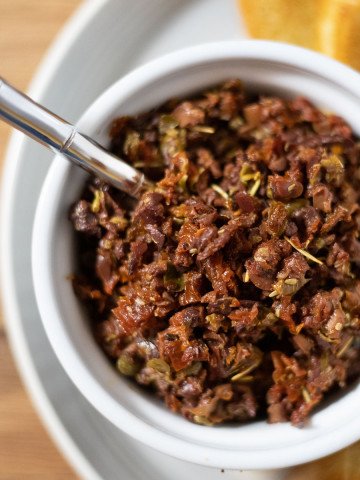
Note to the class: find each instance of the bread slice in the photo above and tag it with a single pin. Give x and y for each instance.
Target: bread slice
(339, 31)
(291, 21)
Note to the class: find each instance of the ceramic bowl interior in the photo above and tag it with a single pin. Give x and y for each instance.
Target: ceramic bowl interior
(263, 67)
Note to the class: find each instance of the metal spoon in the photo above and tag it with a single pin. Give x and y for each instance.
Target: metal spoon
(45, 127)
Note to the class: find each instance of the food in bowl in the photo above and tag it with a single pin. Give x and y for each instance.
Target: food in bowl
(231, 288)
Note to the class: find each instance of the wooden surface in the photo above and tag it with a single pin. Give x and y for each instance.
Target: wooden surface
(27, 27)
(26, 452)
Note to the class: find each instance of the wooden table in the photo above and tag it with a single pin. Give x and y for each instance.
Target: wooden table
(26, 452)
(27, 27)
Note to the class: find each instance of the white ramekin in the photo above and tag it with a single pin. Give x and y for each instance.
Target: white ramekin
(265, 67)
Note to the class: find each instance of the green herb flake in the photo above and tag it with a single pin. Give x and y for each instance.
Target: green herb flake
(244, 372)
(306, 395)
(220, 191)
(121, 222)
(166, 123)
(236, 123)
(182, 183)
(96, 203)
(334, 168)
(296, 205)
(201, 420)
(204, 129)
(247, 173)
(131, 144)
(159, 365)
(255, 187)
(173, 142)
(291, 187)
(304, 252)
(247, 366)
(127, 365)
(192, 369)
(345, 347)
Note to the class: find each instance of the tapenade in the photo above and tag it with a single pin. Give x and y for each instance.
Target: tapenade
(231, 288)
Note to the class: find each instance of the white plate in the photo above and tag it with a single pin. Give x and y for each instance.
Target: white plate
(103, 41)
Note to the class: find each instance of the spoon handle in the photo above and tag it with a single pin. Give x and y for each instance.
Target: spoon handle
(45, 127)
